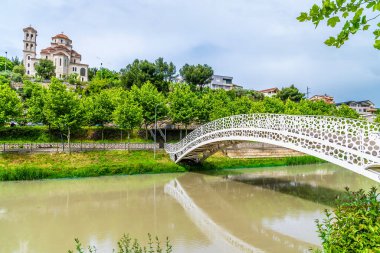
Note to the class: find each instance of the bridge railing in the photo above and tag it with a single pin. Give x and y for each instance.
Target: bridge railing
(354, 134)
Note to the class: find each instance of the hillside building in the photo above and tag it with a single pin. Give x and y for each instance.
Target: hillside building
(65, 59)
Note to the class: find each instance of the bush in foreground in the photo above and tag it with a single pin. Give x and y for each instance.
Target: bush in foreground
(354, 225)
(128, 245)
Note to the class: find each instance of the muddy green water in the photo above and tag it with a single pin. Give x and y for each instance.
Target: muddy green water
(250, 210)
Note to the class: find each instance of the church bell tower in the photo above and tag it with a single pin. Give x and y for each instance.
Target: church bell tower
(30, 44)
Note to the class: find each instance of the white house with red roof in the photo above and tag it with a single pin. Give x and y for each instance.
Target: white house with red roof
(66, 60)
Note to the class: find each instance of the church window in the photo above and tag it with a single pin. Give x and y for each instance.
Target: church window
(27, 45)
(61, 41)
(27, 35)
(28, 65)
(28, 57)
(60, 61)
(31, 45)
(31, 36)
(46, 56)
(28, 72)
(83, 72)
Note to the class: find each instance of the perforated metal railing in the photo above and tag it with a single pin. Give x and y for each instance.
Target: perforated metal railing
(347, 142)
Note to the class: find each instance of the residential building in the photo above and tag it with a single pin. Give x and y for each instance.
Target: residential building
(327, 99)
(365, 108)
(66, 60)
(270, 92)
(222, 82)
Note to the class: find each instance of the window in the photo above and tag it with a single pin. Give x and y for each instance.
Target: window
(28, 72)
(31, 36)
(28, 57)
(27, 45)
(74, 60)
(83, 72)
(61, 41)
(73, 69)
(60, 61)
(27, 35)
(46, 56)
(28, 65)
(31, 46)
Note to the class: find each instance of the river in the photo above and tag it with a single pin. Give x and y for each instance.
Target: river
(247, 210)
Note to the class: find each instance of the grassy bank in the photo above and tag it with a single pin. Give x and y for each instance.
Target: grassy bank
(86, 164)
(220, 162)
(101, 163)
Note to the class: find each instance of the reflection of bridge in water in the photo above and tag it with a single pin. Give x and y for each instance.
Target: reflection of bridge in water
(209, 211)
(351, 144)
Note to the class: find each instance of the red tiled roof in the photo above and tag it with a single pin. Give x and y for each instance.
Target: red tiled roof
(61, 36)
(269, 90)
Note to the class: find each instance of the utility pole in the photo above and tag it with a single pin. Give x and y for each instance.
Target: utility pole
(307, 92)
(6, 59)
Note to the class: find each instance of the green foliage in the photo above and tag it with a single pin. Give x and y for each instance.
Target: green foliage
(148, 97)
(45, 69)
(291, 93)
(19, 69)
(98, 108)
(351, 15)
(128, 114)
(92, 73)
(346, 112)
(5, 64)
(377, 120)
(10, 104)
(354, 225)
(16, 61)
(183, 103)
(128, 245)
(73, 79)
(196, 75)
(35, 103)
(158, 73)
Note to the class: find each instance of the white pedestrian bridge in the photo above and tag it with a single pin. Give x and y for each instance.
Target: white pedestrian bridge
(352, 144)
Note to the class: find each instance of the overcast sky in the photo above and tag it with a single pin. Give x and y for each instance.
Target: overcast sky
(258, 42)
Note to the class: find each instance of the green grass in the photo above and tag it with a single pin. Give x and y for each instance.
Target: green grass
(219, 162)
(86, 164)
(21, 166)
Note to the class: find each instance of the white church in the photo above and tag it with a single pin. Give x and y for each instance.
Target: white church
(66, 60)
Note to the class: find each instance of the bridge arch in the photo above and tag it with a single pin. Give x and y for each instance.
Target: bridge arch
(352, 144)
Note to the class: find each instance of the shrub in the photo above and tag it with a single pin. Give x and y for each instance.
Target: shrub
(127, 245)
(354, 225)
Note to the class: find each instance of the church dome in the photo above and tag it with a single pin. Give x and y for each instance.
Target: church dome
(61, 36)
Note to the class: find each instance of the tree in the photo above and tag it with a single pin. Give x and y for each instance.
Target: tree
(16, 61)
(148, 97)
(273, 105)
(98, 109)
(19, 69)
(197, 75)
(128, 114)
(91, 73)
(183, 105)
(291, 93)
(5, 64)
(62, 108)
(159, 73)
(45, 69)
(10, 104)
(356, 15)
(213, 105)
(346, 112)
(377, 119)
(241, 105)
(35, 104)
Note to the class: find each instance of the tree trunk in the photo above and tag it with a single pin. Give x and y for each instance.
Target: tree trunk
(102, 134)
(121, 135)
(68, 139)
(185, 130)
(63, 144)
(146, 131)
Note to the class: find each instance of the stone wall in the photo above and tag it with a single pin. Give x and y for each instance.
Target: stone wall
(257, 150)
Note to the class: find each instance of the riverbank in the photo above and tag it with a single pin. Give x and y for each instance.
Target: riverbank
(15, 166)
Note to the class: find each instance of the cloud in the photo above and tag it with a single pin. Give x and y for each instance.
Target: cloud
(259, 43)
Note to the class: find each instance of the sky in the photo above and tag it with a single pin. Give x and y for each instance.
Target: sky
(258, 42)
